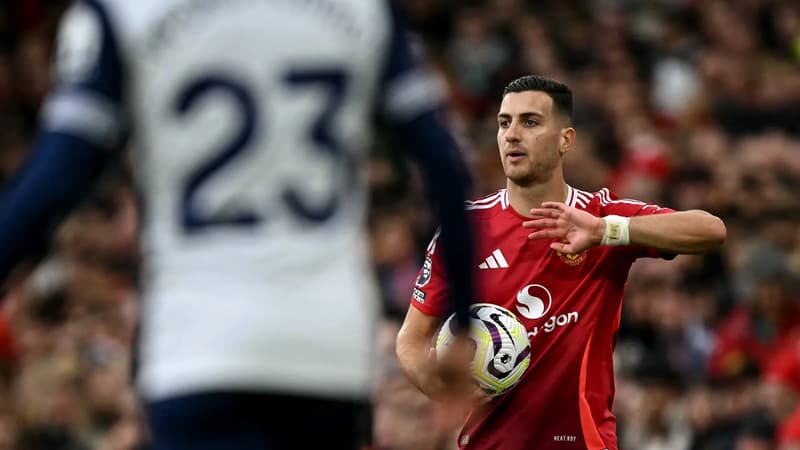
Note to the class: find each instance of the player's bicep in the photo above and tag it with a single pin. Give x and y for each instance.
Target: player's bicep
(420, 325)
(86, 101)
(414, 342)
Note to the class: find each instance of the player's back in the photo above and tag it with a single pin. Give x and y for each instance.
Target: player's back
(251, 119)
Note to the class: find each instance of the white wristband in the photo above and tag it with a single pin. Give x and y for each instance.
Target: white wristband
(617, 231)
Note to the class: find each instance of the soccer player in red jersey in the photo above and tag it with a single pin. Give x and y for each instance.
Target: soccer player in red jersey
(558, 257)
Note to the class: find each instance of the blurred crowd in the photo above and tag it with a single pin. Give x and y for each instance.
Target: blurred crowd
(689, 104)
(685, 103)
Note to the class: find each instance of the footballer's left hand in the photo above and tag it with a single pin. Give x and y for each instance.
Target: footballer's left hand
(576, 230)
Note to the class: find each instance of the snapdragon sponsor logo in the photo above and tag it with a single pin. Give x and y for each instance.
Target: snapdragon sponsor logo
(534, 302)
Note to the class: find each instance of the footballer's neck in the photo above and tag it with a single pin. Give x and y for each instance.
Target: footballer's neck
(523, 198)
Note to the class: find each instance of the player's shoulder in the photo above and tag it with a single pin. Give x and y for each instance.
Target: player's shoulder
(118, 9)
(151, 19)
(119, 17)
(140, 6)
(581, 199)
(487, 205)
(605, 202)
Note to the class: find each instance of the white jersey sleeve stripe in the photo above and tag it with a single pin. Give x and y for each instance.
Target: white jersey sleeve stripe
(489, 199)
(409, 88)
(602, 194)
(412, 94)
(605, 199)
(582, 198)
(83, 114)
(484, 205)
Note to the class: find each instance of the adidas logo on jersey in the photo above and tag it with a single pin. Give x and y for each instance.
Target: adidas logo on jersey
(494, 261)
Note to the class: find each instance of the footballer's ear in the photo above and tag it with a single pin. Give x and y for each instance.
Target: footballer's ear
(565, 140)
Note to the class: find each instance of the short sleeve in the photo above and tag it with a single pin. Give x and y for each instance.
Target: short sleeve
(430, 288)
(409, 88)
(86, 101)
(610, 204)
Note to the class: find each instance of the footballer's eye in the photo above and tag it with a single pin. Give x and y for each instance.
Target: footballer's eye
(504, 123)
(530, 123)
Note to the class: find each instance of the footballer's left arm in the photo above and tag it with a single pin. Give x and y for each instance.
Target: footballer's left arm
(575, 230)
(693, 231)
(57, 175)
(80, 126)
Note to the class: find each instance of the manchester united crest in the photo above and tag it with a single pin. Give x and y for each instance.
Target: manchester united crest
(572, 259)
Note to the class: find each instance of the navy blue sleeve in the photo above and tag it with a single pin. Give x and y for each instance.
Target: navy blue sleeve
(413, 99)
(86, 101)
(429, 142)
(50, 183)
(408, 87)
(80, 125)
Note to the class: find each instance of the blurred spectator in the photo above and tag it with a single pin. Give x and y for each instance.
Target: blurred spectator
(757, 433)
(404, 418)
(474, 55)
(767, 318)
(657, 421)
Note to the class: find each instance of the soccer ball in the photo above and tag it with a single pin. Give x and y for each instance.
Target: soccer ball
(502, 349)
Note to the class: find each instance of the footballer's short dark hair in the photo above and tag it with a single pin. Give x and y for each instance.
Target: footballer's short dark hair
(559, 92)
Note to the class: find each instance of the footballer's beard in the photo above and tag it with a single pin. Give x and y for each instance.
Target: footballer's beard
(531, 173)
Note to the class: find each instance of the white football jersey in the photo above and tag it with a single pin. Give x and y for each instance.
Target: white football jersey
(250, 122)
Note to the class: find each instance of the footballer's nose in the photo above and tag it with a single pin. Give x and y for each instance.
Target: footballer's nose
(512, 133)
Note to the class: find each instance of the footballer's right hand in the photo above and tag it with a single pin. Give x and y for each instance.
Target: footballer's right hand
(446, 377)
(452, 381)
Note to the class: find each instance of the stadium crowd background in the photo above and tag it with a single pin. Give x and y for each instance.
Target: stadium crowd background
(687, 103)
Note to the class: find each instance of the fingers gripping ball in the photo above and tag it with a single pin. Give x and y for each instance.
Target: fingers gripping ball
(502, 352)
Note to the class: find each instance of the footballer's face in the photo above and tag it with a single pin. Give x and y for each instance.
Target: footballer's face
(532, 137)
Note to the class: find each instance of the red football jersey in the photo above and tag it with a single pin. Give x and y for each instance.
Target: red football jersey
(570, 305)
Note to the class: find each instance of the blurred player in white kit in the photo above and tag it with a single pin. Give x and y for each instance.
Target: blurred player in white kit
(250, 122)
